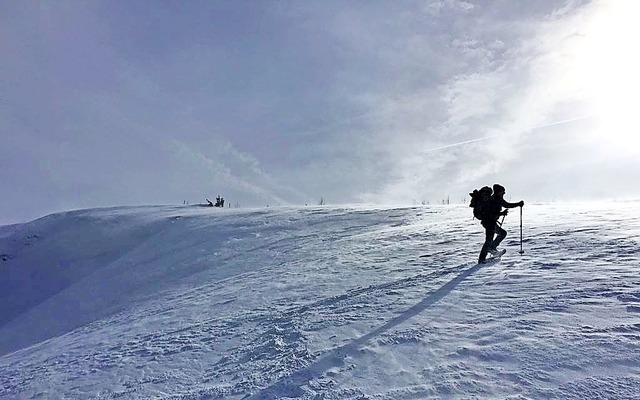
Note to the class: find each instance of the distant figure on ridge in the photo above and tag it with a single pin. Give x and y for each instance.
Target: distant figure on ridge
(488, 208)
(219, 202)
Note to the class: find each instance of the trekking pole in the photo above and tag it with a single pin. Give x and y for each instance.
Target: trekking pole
(521, 251)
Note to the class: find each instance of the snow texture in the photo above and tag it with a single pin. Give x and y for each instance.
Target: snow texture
(320, 303)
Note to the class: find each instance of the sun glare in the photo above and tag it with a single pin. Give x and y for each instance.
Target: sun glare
(612, 67)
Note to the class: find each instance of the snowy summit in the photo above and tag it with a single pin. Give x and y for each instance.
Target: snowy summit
(321, 303)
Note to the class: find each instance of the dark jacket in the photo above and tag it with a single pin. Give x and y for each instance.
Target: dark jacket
(495, 208)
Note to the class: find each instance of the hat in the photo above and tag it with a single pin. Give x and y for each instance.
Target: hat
(497, 188)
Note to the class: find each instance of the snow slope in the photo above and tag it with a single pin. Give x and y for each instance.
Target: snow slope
(320, 303)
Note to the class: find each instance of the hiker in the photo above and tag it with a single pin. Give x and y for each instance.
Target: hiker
(490, 223)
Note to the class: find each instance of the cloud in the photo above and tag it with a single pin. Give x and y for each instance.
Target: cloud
(285, 102)
(496, 109)
(237, 175)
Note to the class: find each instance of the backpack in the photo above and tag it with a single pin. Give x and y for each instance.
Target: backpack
(480, 201)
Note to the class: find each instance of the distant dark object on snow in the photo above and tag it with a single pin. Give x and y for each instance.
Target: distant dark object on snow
(219, 202)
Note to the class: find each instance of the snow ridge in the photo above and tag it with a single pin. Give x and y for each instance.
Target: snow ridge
(320, 303)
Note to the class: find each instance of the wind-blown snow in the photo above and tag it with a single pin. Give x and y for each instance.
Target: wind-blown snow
(320, 303)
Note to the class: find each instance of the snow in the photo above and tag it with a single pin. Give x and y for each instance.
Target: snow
(357, 302)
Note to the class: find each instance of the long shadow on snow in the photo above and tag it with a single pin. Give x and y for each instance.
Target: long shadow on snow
(290, 386)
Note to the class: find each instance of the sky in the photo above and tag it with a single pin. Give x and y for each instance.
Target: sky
(109, 103)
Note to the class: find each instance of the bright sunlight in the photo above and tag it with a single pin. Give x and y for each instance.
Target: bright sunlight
(611, 67)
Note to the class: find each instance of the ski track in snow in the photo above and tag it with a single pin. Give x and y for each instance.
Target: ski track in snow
(324, 303)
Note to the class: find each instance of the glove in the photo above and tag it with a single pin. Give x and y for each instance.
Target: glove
(521, 204)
